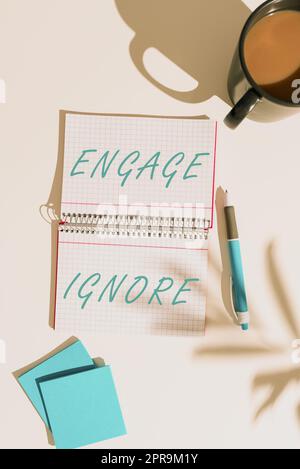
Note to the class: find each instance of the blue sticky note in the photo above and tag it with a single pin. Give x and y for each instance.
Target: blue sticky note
(73, 356)
(82, 408)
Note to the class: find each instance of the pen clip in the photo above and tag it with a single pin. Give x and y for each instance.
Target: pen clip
(232, 302)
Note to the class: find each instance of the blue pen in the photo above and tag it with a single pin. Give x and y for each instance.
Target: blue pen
(238, 283)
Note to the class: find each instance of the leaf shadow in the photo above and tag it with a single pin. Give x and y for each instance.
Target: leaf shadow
(298, 413)
(280, 292)
(276, 383)
(279, 381)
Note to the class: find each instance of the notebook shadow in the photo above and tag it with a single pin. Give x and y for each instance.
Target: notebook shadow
(50, 212)
(197, 36)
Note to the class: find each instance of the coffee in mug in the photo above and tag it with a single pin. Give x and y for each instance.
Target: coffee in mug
(272, 53)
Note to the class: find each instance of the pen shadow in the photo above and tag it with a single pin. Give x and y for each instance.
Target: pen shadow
(199, 37)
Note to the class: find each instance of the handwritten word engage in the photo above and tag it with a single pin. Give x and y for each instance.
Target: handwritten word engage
(133, 289)
(133, 165)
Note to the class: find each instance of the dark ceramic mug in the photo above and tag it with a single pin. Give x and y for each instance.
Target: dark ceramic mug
(247, 96)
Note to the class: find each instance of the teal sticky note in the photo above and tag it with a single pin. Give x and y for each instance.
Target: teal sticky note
(82, 408)
(73, 356)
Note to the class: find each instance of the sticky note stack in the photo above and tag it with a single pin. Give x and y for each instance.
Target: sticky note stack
(75, 397)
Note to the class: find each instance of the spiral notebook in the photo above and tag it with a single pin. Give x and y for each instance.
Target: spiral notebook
(136, 210)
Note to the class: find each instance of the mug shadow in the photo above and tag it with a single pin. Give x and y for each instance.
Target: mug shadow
(198, 36)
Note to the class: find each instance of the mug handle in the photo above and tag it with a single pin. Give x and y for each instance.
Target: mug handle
(242, 108)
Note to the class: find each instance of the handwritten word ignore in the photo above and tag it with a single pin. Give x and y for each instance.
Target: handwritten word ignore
(133, 288)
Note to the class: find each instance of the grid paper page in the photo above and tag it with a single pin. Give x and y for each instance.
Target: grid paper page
(174, 269)
(138, 165)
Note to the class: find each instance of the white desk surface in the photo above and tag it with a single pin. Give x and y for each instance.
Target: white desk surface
(175, 393)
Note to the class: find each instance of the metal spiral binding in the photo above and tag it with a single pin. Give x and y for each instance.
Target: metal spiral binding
(135, 226)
